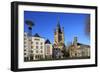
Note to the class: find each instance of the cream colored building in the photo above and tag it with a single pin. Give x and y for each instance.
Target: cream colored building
(38, 47)
(79, 50)
(48, 49)
(26, 47)
(34, 47)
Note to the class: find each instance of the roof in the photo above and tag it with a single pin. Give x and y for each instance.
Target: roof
(83, 45)
(36, 35)
(47, 42)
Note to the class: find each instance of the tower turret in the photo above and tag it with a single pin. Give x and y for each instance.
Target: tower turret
(59, 36)
(75, 41)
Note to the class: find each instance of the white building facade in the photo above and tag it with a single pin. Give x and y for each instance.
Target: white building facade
(26, 47)
(34, 48)
(48, 49)
(79, 50)
(38, 47)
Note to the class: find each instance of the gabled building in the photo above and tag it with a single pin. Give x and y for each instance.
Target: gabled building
(34, 48)
(59, 45)
(79, 50)
(38, 47)
(26, 47)
(48, 49)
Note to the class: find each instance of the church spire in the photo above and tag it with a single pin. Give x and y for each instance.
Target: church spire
(59, 36)
(58, 25)
(58, 22)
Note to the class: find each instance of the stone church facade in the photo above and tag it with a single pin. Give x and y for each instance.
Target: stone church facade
(59, 45)
(78, 50)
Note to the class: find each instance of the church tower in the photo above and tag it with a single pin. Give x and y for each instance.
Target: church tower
(59, 36)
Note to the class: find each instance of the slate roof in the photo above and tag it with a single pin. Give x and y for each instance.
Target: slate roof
(36, 35)
(47, 42)
(82, 46)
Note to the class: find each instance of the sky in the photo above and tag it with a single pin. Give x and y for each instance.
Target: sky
(45, 23)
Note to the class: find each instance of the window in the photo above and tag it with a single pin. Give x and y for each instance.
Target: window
(31, 51)
(36, 56)
(75, 54)
(48, 47)
(24, 53)
(31, 42)
(25, 34)
(24, 38)
(36, 51)
(24, 42)
(83, 52)
(37, 43)
(41, 43)
(41, 56)
(37, 47)
(24, 46)
(41, 47)
(32, 46)
(24, 49)
(30, 39)
(25, 58)
(41, 51)
(37, 39)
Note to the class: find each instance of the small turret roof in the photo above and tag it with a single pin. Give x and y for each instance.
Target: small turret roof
(47, 42)
(36, 35)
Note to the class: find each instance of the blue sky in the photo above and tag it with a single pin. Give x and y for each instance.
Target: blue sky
(46, 22)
